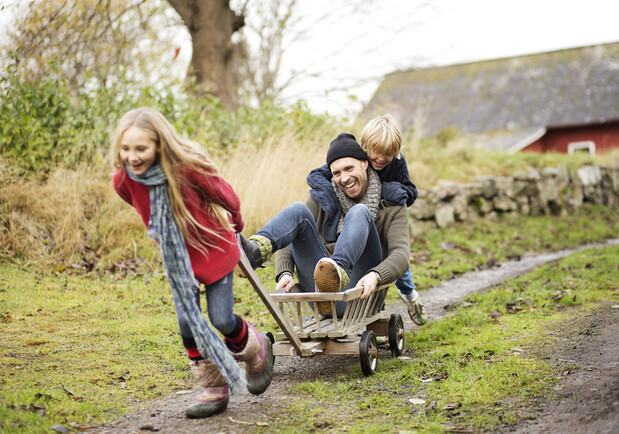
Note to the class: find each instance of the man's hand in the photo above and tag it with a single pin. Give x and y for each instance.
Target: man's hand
(369, 283)
(286, 281)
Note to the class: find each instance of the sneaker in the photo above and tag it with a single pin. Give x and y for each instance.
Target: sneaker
(329, 277)
(416, 309)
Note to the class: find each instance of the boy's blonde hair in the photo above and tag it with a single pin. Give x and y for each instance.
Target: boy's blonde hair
(382, 136)
(175, 153)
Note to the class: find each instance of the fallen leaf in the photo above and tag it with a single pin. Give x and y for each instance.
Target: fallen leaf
(417, 401)
(557, 295)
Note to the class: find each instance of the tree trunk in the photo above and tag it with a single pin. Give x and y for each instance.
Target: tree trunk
(211, 24)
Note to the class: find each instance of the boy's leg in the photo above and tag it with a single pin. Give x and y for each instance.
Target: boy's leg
(410, 297)
(405, 283)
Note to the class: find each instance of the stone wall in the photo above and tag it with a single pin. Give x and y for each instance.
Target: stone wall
(549, 191)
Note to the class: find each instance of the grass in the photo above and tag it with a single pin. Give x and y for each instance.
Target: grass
(438, 254)
(79, 348)
(82, 347)
(474, 370)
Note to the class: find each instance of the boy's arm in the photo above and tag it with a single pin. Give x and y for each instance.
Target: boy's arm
(399, 187)
(320, 178)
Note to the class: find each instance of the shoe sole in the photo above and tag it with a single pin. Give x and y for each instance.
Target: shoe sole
(201, 410)
(327, 280)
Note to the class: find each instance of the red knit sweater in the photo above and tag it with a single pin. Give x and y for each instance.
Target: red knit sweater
(219, 261)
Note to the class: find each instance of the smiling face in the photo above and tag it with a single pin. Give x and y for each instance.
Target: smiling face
(351, 176)
(378, 161)
(137, 150)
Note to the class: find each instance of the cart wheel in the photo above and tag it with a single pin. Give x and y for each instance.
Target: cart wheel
(368, 352)
(396, 334)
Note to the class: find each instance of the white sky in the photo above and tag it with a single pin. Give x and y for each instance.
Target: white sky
(441, 33)
(355, 49)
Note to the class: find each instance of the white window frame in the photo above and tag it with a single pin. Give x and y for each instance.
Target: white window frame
(579, 146)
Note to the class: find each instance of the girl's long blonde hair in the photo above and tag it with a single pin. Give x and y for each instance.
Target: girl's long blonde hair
(176, 153)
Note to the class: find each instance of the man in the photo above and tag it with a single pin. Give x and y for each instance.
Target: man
(357, 239)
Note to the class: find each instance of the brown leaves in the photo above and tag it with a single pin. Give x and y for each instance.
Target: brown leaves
(494, 315)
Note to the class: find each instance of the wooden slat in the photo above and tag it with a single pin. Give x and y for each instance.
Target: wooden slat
(347, 295)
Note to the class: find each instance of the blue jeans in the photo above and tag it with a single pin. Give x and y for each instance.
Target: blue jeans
(219, 304)
(405, 283)
(357, 249)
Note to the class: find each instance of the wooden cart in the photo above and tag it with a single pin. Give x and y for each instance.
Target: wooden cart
(306, 332)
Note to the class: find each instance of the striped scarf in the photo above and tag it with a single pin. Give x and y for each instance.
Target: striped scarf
(163, 228)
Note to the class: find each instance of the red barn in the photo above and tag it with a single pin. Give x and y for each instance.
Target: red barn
(568, 139)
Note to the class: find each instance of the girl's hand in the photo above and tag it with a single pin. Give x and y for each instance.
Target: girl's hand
(286, 281)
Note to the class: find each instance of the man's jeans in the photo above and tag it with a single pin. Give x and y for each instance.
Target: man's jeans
(357, 249)
(220, 306)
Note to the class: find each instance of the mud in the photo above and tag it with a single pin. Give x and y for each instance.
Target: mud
(588, 398)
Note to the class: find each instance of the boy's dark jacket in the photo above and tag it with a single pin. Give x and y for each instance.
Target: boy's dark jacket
(397, 189)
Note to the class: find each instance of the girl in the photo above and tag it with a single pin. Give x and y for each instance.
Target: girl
(193, 214)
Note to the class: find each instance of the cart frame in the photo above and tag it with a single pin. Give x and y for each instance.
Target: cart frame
(305, 332)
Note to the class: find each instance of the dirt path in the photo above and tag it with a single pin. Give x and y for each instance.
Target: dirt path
(588, 398)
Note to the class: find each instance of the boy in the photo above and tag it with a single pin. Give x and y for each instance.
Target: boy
(381, 139)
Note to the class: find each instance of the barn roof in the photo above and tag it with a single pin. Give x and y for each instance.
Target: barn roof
(507, 100)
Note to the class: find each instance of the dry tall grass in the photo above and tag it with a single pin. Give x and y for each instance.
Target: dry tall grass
(74, 216)
(71, 217)
(269, 179)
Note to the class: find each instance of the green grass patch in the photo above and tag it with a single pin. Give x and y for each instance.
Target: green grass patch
(438, 254)
(78, 349)
(474, 370)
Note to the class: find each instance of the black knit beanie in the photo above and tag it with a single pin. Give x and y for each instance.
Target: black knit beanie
(345, 145)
